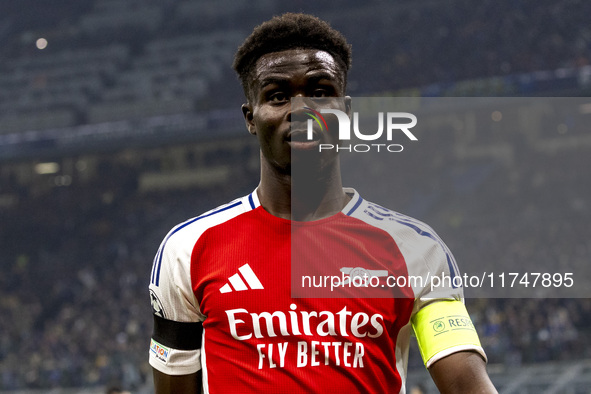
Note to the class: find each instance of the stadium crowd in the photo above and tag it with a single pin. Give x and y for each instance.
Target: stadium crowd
(107, 60)
(76, 263)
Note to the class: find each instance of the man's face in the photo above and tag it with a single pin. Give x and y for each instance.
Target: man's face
(279, 126)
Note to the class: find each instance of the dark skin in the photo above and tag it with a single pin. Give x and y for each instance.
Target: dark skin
(462, 372)
(269, 115)
(189, 384)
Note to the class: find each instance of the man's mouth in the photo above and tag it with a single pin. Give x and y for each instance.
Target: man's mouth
(298, 140)
(302, 136)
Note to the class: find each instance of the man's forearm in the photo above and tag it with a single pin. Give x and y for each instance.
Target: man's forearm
(182, 384)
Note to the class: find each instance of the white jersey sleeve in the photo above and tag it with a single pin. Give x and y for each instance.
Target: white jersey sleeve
(439, 318)
(173, 301)
(175, 347)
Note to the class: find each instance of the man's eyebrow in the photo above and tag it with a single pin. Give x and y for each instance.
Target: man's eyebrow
(272, 80)
(313, 78)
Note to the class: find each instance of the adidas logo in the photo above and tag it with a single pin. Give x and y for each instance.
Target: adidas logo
(237, 282)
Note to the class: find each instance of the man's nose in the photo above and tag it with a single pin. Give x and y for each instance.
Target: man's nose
(299, 103)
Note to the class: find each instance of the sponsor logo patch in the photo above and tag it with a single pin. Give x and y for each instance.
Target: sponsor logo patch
(159, 351)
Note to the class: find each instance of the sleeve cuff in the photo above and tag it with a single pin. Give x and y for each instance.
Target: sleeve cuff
(172, 361)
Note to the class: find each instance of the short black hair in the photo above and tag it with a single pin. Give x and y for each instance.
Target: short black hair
(290, 31)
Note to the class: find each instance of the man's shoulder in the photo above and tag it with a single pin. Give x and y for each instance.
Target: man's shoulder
(194, 227)
(414, 238)
(177, 245)
(389, 220)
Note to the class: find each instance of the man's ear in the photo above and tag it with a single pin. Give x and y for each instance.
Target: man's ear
(248, 118)
(348, 105)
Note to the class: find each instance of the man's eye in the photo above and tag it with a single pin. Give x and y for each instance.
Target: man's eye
(277, 97)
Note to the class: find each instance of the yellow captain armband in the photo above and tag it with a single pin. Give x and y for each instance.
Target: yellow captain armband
(443, 328)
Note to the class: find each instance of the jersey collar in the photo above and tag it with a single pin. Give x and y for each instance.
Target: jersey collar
(253, 202)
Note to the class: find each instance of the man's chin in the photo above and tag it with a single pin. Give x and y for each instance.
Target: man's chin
(310, 161)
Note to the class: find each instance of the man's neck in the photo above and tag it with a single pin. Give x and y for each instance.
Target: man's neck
(302, 198)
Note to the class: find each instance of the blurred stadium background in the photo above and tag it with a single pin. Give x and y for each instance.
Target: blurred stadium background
(120, 119)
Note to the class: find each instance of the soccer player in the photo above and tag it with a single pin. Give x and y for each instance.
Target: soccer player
(225, 320)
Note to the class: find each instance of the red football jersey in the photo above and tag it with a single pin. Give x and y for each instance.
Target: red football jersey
(274, 317)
